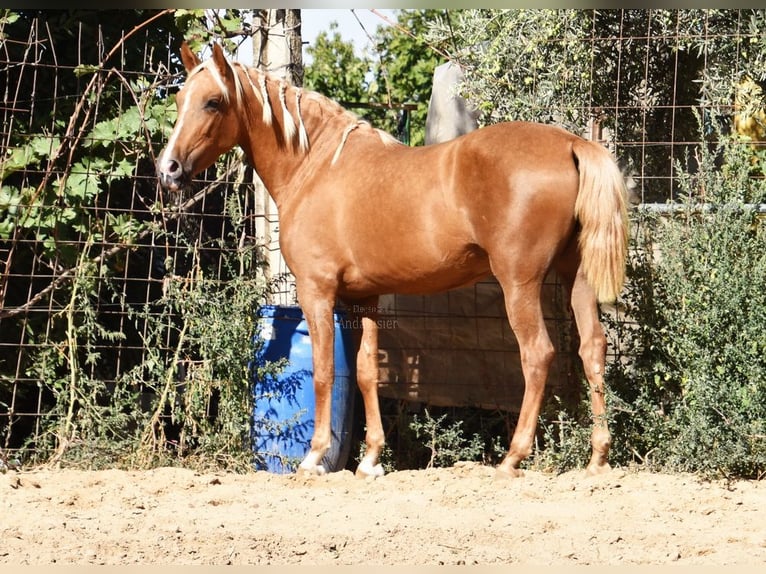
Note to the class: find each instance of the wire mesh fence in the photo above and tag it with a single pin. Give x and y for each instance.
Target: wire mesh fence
(109, 286)
(92, 251)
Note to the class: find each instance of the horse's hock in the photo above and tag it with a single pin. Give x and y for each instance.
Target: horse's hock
(457, 348)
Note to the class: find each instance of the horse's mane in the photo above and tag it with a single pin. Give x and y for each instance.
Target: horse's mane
(258, 81)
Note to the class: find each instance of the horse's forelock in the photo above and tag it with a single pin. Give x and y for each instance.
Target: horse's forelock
(210, 66)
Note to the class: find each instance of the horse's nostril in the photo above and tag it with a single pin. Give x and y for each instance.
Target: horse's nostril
(172, 167)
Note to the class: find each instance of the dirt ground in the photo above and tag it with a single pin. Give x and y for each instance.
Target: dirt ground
(458, 515)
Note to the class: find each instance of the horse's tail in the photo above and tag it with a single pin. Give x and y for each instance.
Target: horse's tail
(600, 209)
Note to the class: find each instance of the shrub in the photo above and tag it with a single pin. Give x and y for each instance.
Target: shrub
(687, 387)
(446, 442)
(691, 386)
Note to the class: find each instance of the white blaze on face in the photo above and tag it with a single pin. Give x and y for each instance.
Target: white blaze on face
(168, 155)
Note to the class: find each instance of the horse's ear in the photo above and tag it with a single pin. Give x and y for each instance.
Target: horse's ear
(188, 57)
(219, 58)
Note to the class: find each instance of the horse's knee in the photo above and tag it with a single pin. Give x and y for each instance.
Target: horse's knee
(367, 377)
(547, 354)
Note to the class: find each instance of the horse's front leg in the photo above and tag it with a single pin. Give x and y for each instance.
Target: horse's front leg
(318, 312)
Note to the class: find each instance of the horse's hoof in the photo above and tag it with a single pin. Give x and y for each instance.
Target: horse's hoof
(503, 474)
(594, 469)
(366, 470)
(311, 470)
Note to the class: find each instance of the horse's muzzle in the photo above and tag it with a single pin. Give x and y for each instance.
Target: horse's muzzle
(170, 173)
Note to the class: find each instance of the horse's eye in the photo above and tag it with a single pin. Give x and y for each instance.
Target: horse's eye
(213, 104)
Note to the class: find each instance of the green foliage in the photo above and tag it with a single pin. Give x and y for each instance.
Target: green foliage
(440, 436)
(66, 204)
(698, 385)
(400, 72)
(64, 210)
(445, 442)
(404, 69)
(569, 66)
(687, 388)
(201, 386)
(564, 437)
(56, 174)
(524, 64)
(7, 16)
(330, 54)
(197, 392)
(89, 422)
(201, 26)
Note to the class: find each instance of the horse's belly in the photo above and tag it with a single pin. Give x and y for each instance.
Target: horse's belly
(414, 275)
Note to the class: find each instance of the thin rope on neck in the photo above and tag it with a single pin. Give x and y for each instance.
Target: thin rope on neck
(343, 139)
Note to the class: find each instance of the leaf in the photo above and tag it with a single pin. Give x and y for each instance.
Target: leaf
(102, 134)
(43, 146)
(10, 197)
(82, 184)
(84, 69)
(6, 228)
(29, 155)
(9, 17)
(129, 123)
(67, 214)
(122, 168)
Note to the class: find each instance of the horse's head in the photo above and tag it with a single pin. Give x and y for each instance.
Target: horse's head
(207, 123)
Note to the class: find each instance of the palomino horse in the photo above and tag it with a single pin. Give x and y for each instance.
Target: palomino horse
(363, 215)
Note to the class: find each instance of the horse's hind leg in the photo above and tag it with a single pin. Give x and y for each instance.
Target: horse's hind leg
(593, 354)
(522, 302)
(367, 379)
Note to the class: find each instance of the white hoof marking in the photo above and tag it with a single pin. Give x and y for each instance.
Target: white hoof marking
(368, 470)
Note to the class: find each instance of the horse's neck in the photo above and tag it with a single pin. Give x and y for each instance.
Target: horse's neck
(286, 128)
(262, 133)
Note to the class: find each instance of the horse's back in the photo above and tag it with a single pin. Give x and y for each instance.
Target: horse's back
(518, 142)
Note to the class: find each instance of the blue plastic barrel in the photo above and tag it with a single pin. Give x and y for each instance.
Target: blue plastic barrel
(283, 413)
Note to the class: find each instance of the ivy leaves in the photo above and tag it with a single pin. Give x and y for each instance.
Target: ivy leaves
(109, 153)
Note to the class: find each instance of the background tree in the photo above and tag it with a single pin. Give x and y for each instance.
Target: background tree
(639, 72)
(399, 71)
(405, 65)
(335, 70)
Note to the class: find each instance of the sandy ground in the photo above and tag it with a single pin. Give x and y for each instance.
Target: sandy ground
(458, 515)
